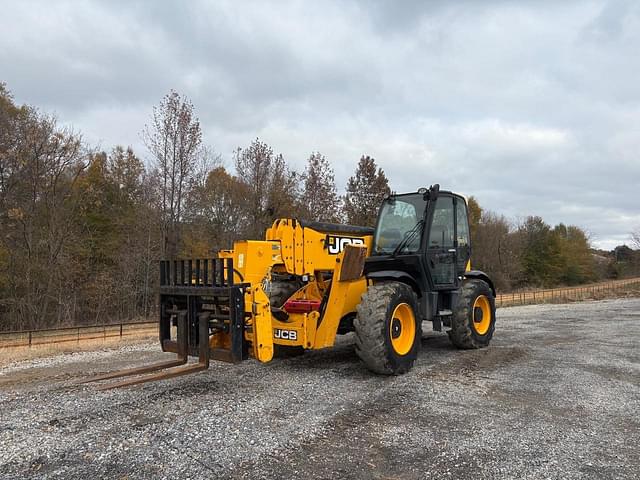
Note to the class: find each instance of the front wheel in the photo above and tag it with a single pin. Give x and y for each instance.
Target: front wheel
(388, 329)
(474, 320)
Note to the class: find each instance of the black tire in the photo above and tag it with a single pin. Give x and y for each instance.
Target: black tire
(281, 291)
(469, 325)
(374, 323)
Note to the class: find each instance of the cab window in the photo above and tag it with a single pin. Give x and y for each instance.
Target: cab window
(463, 224)
(441, 235)
(400, 223)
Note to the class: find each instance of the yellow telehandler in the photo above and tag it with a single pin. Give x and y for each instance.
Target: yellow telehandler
(308, 281)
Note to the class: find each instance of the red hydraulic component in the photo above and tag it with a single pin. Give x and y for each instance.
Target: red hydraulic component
(301, 306)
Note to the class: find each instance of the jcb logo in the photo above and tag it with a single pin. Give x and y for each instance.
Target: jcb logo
(285, 334)
(336, 245)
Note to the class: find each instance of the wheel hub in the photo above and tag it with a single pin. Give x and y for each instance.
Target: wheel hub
(396, 328)
(481, 315)
(402, 329)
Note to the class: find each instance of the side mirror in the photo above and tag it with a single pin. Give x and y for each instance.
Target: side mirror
(432, 193)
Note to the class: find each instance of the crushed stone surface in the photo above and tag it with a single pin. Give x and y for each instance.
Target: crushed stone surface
(556, 395)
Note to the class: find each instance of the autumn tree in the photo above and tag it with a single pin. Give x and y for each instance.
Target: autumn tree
(127, 171)
(39, 166)
(319, 200)
(496, 247)
(365, 192)
(137, 224)
(475, 216)
(218, 213)
(542, 253)
(174, 138)
(577, 261)
(14, 124)
(117, 246)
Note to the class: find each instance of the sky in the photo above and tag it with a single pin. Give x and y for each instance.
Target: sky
(532, 107)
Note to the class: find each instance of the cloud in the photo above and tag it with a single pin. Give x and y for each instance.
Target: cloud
(532, 107)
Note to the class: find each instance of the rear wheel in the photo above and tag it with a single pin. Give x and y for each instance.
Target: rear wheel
(388, 330)
(474, 321)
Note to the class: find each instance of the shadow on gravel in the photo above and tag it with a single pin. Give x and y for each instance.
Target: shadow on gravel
(340, 359)
(437, 354)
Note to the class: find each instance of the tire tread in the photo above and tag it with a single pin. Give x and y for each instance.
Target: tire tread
(370, 328)
(461, 333)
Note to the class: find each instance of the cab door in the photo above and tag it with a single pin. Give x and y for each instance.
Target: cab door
(441, 248)
(462, 241)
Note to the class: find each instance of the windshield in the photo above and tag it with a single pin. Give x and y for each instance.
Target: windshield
(398, 224)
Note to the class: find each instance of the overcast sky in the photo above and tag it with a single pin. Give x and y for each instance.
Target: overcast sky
(532, 107)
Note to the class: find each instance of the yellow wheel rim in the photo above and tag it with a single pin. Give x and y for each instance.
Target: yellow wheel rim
(481, 315)
(402, 329)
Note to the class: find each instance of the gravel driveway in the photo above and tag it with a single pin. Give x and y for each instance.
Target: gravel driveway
(557, 395)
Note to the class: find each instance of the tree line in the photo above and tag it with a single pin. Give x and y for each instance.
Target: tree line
(82, 230)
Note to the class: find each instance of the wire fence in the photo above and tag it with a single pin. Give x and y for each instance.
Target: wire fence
(120, 331)
(564, 294)
(52, 336)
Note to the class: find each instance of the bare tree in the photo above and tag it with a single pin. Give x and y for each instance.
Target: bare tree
(497, 248)
(271, 186)
(282, 200)
(174, 138)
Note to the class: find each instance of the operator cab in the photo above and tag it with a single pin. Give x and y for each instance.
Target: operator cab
(422, 239)
(431, 221)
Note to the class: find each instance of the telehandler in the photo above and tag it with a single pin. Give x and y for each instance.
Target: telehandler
(308, 281)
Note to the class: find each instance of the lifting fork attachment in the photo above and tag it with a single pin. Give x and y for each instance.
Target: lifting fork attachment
(200, 303)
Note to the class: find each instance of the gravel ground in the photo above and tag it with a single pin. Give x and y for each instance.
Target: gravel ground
(557, 395)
